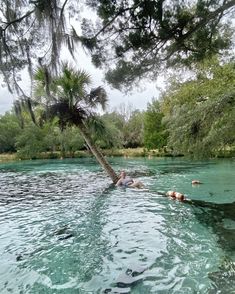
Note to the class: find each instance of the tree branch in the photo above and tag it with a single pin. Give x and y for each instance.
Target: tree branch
(17, 20)
(113, 19)
(211, 16)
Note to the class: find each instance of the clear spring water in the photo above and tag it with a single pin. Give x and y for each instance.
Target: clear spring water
(65, 229)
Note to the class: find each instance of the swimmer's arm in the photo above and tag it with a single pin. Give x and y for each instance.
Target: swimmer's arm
(119, 183)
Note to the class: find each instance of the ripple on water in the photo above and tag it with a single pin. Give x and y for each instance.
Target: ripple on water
(64, 229)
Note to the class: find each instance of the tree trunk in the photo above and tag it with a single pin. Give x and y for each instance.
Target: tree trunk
(97, 153)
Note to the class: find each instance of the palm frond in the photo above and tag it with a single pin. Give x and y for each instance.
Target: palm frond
(72, 84)
(71, 103)
(96, 125)
(97, 96)
(65, 114)
(39, 75)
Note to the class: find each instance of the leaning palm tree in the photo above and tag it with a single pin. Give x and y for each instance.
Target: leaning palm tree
(67, 98)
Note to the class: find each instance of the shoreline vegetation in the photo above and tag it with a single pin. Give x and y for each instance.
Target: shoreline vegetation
(126, 153)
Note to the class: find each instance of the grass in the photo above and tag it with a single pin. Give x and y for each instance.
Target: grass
(5, 157)
(128, 152)
(138, 152)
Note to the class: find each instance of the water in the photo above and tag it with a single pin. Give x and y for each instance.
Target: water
(65, 229)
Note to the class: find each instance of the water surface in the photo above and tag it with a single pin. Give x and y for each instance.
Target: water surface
(65, 229)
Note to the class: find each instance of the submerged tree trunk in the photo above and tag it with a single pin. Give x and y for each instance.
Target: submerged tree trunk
(97, 153)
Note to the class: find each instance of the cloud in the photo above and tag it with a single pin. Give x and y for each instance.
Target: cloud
(6, 100)
(139, 98)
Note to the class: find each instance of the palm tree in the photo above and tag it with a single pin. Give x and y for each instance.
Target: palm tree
(67, 98)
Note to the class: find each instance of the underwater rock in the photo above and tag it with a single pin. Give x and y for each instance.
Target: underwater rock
(126, 281)
(66, 236)
(24, 255)
(64, 233)
(19, 257)
(117, 291)
(61, 231)
(144, 173)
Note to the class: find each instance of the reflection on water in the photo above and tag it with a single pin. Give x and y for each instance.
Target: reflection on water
(65, 229)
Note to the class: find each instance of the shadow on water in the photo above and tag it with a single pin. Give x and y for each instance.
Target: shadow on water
(221, 219)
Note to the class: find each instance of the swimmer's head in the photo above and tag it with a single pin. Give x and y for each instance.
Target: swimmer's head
(196, 182)
(175, 195)
(170, 193)
(122, 173)
(179, 196)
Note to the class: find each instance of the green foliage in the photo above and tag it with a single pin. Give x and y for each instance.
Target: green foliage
(200, 113)
(70, 141)
(127, 126)
(9, 129)
(33, 140)
(67, 97)
(114, 123)
(145, 36)
(105, 133)
(30, 142)
(155, 134)
(133, 132)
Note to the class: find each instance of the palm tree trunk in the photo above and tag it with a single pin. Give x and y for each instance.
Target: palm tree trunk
(97, 153)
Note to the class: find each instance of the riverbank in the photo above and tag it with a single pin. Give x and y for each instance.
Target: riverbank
(5, 157)
(128, 152)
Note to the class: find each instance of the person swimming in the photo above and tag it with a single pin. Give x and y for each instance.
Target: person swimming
(175, 195)
(127, 181)
(196, 182)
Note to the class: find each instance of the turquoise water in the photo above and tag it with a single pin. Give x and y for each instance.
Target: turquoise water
(65, 229)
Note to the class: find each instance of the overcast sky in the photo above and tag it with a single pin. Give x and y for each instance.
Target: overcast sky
(138, 98)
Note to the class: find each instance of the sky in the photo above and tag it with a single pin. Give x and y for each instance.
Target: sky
(6, 100)
(138, 98)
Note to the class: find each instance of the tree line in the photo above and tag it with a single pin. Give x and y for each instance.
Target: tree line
(194, 117)
(130, 41)
(111, 130)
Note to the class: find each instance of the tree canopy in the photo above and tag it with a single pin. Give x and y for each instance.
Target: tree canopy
(32, 33)
(155, 134)
(141, 36)
(9, 128)
(200, 113)
(146, 36)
